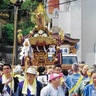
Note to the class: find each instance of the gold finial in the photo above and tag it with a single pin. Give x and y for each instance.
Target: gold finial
(19, 36)
(40, 8)
(61, 34)
(39, 16)
(19, 30)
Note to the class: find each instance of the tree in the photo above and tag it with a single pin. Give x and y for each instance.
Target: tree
(8, 35)
(24, 21)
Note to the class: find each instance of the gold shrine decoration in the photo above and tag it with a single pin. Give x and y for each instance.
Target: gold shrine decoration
(40, 8)
(42, 40)
(61, 34)
(72, 49)
(19, 36)
(40, 20)
(39, 16)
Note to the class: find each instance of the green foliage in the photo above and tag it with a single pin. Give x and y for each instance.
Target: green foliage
(8, 34)
(26, 31)
(3, 4)
(24, 21)
(6, 1)
(29, 5)
(8, 31)
(26, 26)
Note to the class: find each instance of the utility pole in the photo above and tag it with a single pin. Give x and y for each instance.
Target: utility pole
(16, 3)
(15, 48)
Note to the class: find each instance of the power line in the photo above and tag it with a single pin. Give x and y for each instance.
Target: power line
(7, 10)
(61, 3)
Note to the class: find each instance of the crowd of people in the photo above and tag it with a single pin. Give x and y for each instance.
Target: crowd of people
(53, 81)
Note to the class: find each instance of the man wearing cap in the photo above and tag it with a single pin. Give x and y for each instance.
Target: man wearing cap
(30, 86)
(52, 88)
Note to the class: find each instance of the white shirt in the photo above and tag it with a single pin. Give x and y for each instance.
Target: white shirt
(30, 88)
(50, 91)
(42, 79)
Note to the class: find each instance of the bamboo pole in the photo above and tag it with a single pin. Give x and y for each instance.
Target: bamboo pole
(15, 41)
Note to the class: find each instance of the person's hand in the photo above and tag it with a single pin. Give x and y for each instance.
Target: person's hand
(8, 81)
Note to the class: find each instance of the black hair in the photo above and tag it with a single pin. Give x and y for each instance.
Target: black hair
(57, 65)
(82, 62)
(7, 65)
(41, 69)
(65, 72)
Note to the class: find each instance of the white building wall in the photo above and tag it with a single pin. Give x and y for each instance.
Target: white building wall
(69, 20)
(54, 21)
(88, 30)
(80, 22)
(64, 22)
(76, 23)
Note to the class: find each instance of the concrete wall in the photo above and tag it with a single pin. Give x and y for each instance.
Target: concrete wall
(76, 23)
(64, 22)
(88, 30)
(80, 22)
(69, 20)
